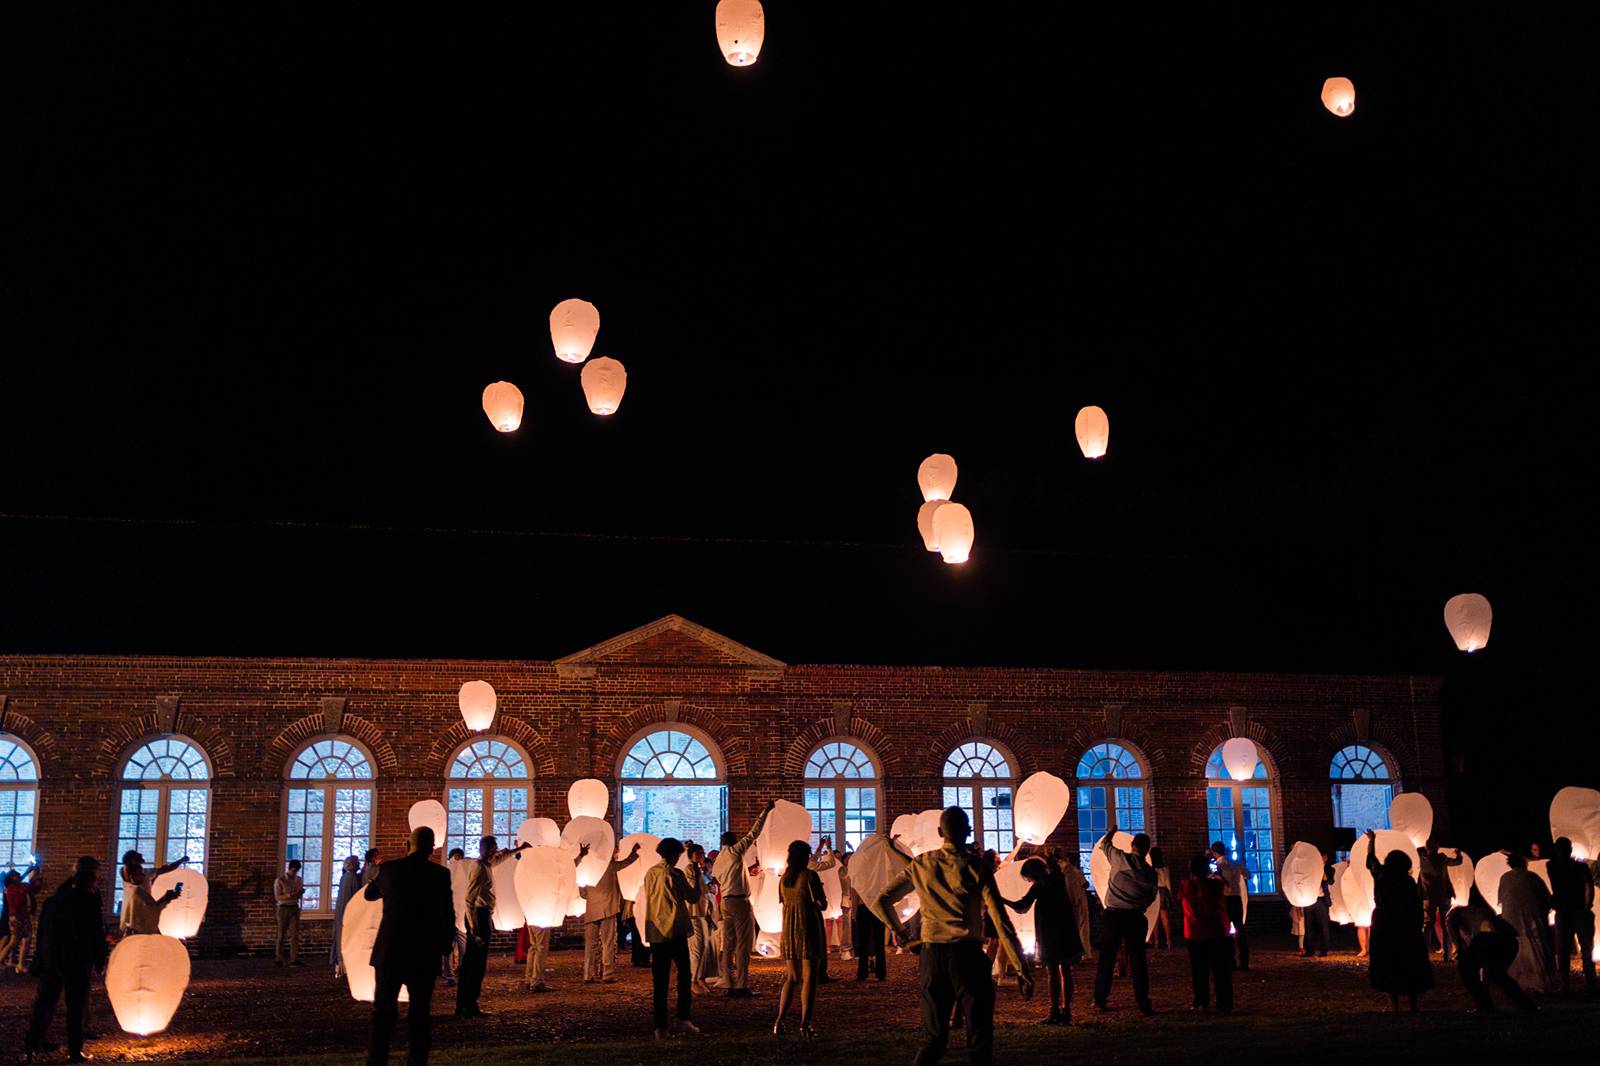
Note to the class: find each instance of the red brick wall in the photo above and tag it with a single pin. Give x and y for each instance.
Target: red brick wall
(81, 714)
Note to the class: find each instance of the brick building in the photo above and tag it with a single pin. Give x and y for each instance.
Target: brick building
(226, 757)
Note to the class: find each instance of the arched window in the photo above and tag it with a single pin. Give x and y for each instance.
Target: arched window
(1105, 762)
(842, 792)
(1364, 783)
(487, 794)
(19, 803)
(164, 804)
(1239, 813)
(978, 778)
(328, 815)
(673, 785)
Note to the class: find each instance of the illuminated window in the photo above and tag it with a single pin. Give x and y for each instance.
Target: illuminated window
(673, 786)
(978, 778)
(1239, 813)
(329, 815)
(487, 794)
(1363, 786)
(1102, 763)
(842, 791)
(19, 803)
(164, 805)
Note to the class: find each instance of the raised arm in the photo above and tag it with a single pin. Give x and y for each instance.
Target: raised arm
(883, 906)
(1373, 865)
(749, 839)
(1023, 905)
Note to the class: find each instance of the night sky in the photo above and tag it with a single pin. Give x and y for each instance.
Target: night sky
(260, 263)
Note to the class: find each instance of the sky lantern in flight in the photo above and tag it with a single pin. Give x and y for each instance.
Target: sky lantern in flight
(1239, 757)
(145, 979)
(937, 477)
(1339, 96)
(1042, 801)
(1300, 876)
(604, 381)
(477, 702)
(588, 798)
(1467, 617)
(952, 528)
(925, 515)
(741, 27)
(1094, 431)
(573, 327)
(502, 402)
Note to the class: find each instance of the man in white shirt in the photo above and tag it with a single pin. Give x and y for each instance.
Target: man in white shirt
(738, 919)
(286, 891)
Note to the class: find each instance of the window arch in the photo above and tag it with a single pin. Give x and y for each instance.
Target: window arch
(1108, 761)
(979, 778)
(1364, 782)
(842, 792)
(19, 802)
(164, 804)
(1239, 813)
(487, 794)
(673, 784)
(328, 815)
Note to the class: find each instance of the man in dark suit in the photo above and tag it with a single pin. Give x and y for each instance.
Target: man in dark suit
(72, 941)
(419, 922)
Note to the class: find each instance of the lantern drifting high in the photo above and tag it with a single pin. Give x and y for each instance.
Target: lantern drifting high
(145, 979)
(1339, 96)
(1411, 813)
(182, 917)
(925, 515)
(1042, 801)
(574, 324)
(937, 477)
(1575, 814)
(602, 841)
(1239, 756)
(1093, 430)
(1300, 877)
(786, 823)
(428, 813)
(741, 27)
(588, 798)
(604, 381)
(502, 402)
(952, 528)
(1467, 617)
(477, 701)
(546, 884)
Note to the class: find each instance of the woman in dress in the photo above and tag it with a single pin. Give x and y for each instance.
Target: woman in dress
(349, 885)
(1055, 931)
(1400, 964)
(805, 942)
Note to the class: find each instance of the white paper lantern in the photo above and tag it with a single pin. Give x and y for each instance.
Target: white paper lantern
(937, 477)
(1339, 96)
(428, 813)
(460, 879)
(540, 832)
(1487, 874)
(904, 827)
(766, 899)
(1013, 886)
(925, 515)
(1358, 884)
(1300, 877)
(502, 402)
(1338, 910)
(182, 917)
(145, 979)
(573, 327)
(741, 27)
(1411, 813)
(873, 866)
(925, 834)
(578, 907)
(1093, 430)
(952, 528)
(630, 879)
(833, 890)
(604, 381)
(602, 841)
(1467, 617)
(786, 823)
(588, 798)
(1041, 802)
(362, 916)
(507, 914)
(1461, 875)
(1100, 876)
(1541, 867)
(477, 702)
(1575, 814)
(546, 884)
(1239, 757)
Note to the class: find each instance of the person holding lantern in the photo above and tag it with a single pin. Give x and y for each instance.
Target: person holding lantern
(417, 928)
(602, 902)
(1130, 890)
(738, 920)
(480, 923)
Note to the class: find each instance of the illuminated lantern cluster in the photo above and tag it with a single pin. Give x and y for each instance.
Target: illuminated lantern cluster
(502, 402)
(946, 527)
(588, 798)
(1467, 617)
(741, 27)
(428, 813)
(604, 381)
(477, 702)
(1239, 757)
(1339, 96)
(1093, 430)
(574, 324)
(145, 979)
(181, 918)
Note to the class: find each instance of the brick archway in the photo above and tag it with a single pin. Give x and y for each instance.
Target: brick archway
(733, 748)
(542, 759)
(119, 740)
(883, 750)
(295, 735)
(41, 741)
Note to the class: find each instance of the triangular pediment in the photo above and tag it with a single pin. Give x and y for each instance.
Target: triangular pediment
(672, 641)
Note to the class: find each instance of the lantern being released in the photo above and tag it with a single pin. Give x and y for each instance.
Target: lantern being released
(937, 477)
(588, 798)
(1100, 876)
(477, 701)
(182, 917)
(502, 402)
(1467, 617)
(786, 823)
(145, 979)
(362, 917)
(546, 885)
(1461, 874)
(1094, 432)
(508, 915)
(1339, 96)
(573, 327)
(1575, 814)
(952, 528)
(1042, 801)
(1300, 877)
(630, 879)
(428, 813)
(1411, 813)
(540, 832)
(1487, 874)
(1358, 886)
(604, 381)
(1239, 757)
(602, 843)
(741, 27)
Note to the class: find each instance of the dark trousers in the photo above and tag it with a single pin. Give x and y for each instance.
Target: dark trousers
(867, 943)
(1120, 928)
(52, 983)
(1211, 963)
(665, 956)
(950, 976)
(1235, 907)
(1317, 932)
(1486, 959)
(1579, 926)
(418, 981)
(1433, 915)
(474, 960)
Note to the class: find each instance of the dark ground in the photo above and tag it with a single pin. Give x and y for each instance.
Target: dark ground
(1290, 1010)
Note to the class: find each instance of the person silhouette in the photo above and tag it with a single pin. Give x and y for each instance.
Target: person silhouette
(418, 926)
(71, 942)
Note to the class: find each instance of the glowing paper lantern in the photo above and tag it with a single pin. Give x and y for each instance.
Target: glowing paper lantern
(833, 890)
(602, 841)
(573, 327)
(1575, 814)
(1094, 432)
(1240, 758)
(937, 477)
(577, 907)
(904, 826)
(460, 876)
(1460, 876)
(925, 834)
(604, 381)
(546, 884)
(477, 702)
(145, 979)
(359, 932)
(1041, 802)
(502, 402)
(1358, 887)
(1339, 96)
(630, 879)
(1100, 876)
(786, 823)
(1013, 886)
(1467, 617)
(873, 866)
(1542, 868)
(508, 914)
(741, 27)
(1487, 874)
(952, 528)
(182, 917)
(428, 813)
(540, 832)
(925, 515)
(1338, 911)
(588, 798)
(1411, 813)
(766, 900)
(1300, 877)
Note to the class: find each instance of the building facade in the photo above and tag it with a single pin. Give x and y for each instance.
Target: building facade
(243, 763)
